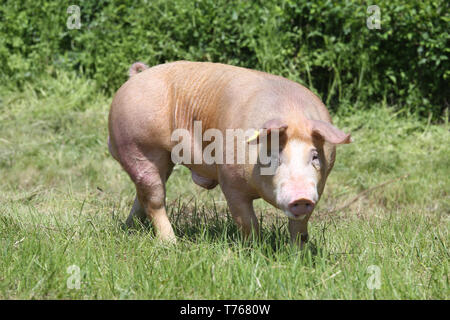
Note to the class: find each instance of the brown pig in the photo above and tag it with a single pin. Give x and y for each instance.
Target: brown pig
(154, 103)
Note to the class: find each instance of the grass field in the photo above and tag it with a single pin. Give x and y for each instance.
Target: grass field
(63, 200)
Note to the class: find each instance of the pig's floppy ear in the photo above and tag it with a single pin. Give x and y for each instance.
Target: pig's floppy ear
(267, 128)
(329, 133)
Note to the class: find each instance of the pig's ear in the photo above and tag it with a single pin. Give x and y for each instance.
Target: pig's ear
(329, 133)
(269, 126)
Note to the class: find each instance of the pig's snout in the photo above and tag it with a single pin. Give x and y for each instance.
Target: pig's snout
(301, 207)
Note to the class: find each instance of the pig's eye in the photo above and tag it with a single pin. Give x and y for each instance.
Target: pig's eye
(315, 159)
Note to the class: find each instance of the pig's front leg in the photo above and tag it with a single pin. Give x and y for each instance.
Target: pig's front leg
(241, 209)
(298, 230)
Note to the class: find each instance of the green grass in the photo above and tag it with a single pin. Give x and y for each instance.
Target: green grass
(63, 200)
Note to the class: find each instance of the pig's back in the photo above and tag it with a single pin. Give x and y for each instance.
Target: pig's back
(174, 95)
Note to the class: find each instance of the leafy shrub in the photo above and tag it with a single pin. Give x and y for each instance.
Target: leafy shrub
(324, 45)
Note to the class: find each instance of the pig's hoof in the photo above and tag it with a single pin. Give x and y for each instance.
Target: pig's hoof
(204, 182)
(304, 237)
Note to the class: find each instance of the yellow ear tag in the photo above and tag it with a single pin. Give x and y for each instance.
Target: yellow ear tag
(253, 137)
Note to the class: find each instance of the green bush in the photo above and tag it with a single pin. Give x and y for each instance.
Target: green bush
(324, 45)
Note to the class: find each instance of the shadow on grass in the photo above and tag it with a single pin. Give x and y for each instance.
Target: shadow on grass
(194, 222)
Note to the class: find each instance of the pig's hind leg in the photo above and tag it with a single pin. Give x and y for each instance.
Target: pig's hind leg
(149, 173)
(137, 214)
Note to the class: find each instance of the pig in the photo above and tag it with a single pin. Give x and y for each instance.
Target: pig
(154, 102)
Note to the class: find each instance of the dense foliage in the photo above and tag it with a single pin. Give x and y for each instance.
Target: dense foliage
(324, 44)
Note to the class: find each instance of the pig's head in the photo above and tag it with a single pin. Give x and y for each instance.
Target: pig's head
(302, 164)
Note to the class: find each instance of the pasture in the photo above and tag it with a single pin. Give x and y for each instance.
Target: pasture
(63, 200)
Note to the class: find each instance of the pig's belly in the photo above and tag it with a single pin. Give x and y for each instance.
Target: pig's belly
(204, 175)
(207, 171)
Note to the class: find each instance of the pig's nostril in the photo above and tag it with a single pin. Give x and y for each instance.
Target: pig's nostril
(301, 207)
